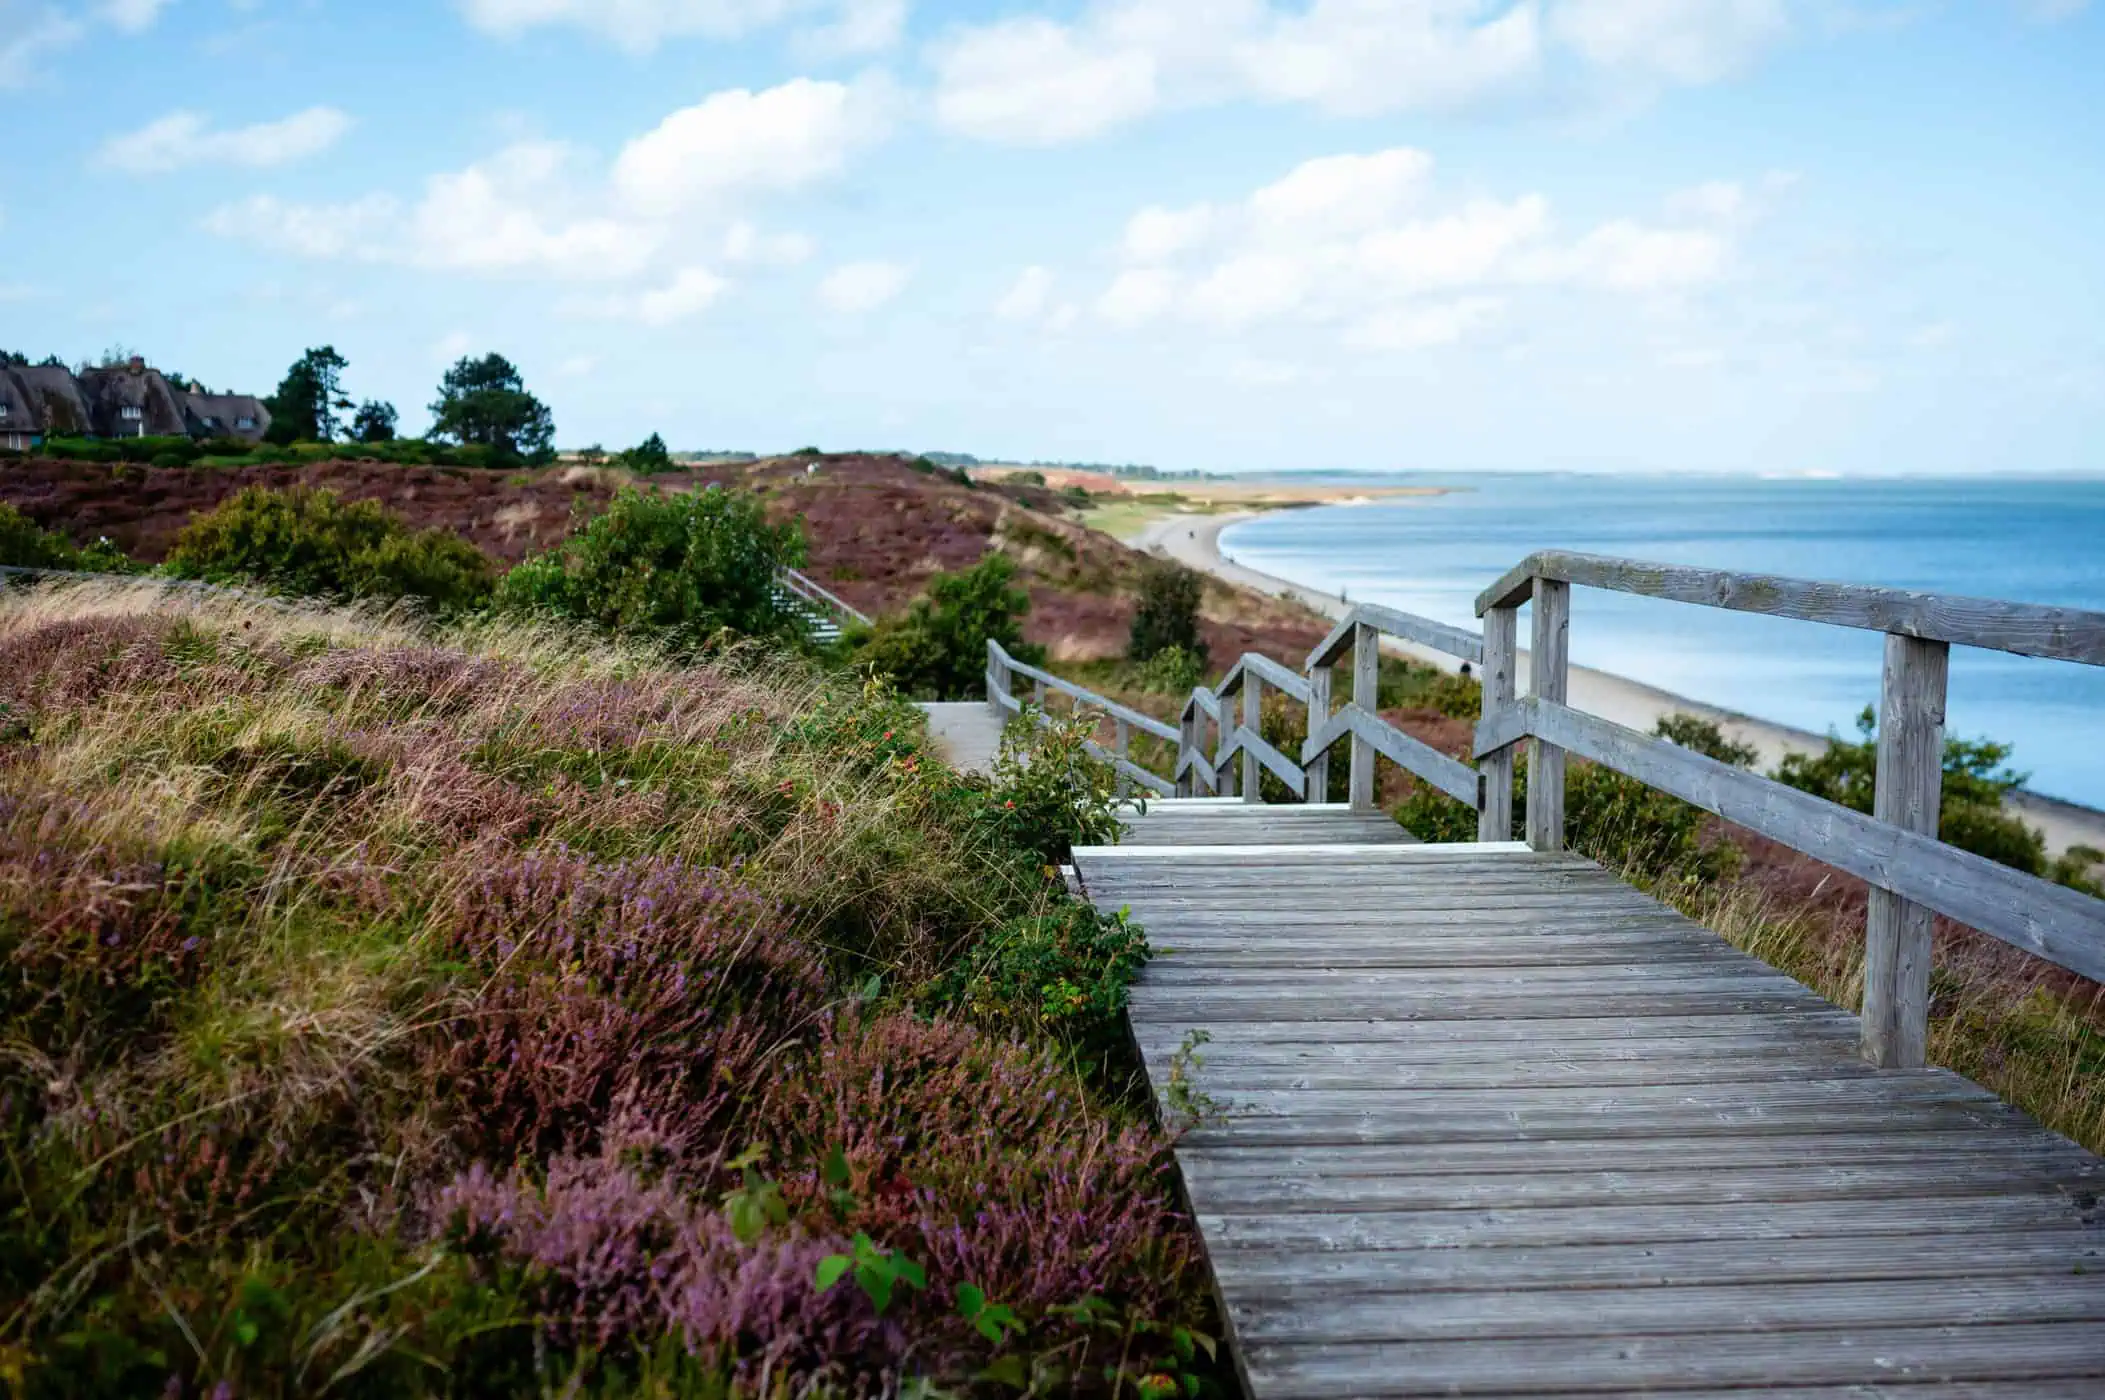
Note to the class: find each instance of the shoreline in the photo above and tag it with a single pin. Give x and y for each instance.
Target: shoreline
(1194, 541)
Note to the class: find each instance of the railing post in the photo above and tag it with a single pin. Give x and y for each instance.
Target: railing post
(1122, 745)
(1366, 692)
(1253, 720)
(997, 679)
(1316, 773)
(1225, 774)
(1548, 671)
(1188, 743)
(1494, 787)
(1909, 794)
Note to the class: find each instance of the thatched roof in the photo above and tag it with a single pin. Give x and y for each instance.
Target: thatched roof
(115, 388)
(59, 399)
(20, 411)
(222, 415)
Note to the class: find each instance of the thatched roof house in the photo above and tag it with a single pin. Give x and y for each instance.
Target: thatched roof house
(21, 419)
(131, 400)
(226, 415)
(59, 400)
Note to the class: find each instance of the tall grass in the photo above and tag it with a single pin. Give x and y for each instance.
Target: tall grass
(499, 1010)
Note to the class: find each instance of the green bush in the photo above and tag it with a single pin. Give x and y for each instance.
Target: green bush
(1172, 671)
(937, 648)
(1975, 783)
(649, 457)
(1050, 794)
(24, 546)
(1062, 973)
(311, 543)
(1617, 820)
(1168, 615)
(676, 569)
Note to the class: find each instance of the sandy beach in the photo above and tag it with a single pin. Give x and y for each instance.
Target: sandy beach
(1194, 540)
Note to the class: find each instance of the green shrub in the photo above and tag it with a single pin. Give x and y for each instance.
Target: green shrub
(1617, 820)
(1168, 615)
(937, 648)
(1062, 973)
(1050, 794)
(1975, 782)
(311, 543)
(676, 569)
(649, 457)
(25, 546)
(1172, 671)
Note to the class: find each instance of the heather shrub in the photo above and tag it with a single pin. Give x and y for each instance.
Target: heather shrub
(676, 568)
(313, 544)
(1050, 793)
(403, 1007)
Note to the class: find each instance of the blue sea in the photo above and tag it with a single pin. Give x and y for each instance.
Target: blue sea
(2036, 541)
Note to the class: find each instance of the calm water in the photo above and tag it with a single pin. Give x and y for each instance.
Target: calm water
(2034, 541)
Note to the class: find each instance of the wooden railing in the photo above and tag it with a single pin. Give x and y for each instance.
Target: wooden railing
(807, 588)
(1913, 876)
(1002, 671)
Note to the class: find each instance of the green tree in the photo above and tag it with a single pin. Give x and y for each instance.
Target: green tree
(676, 568)
(374, 422)
(484, 402)
(649, 456)
(937, 649)
(1168, 615)
(304, 407)
(1975, 783)
(311, 543)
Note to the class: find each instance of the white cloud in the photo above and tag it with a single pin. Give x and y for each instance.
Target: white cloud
(1365, 244)
(577, 366)
(1676, 41)
(1032, 82)
(691, 291)
(183, 139)
(133, 16)
(451, 347)
(639, 26)
(307, 230)
(861, 27)
(1137, 296)
(547, 209)
(1028, 298)
(858, 287)
(2052, 11)
(29, 39)
(743, 243)
(1156, 233)
(738, 141)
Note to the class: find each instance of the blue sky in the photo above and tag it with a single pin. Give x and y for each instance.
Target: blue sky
(1678, 235)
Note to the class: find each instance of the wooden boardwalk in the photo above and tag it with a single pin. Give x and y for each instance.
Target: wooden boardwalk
(1498, 1124)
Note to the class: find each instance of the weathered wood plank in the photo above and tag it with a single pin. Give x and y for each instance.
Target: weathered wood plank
(1454, 641)
(2043, 1351)
(1549, 668)
(1366, 697)
(2028, 629)
(1046, 680)
(1494, 819)
(1814, 1307)
(1909, 791)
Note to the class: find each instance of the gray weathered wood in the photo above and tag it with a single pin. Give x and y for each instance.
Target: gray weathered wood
(1908, 795)
(1122, 746)
(1549, 665)
(1046, 681)
(1253, 725)
(1366, 688)
(1317, 767)
(1488, 1121)
(1454, 641)
(2053, 922)
(1494, 820)
(2029, 629)
(1257, 753)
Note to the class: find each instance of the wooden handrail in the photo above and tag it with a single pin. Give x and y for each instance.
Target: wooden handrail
(2028, 629)
(2055, 923)
(1409, 626)
(1913, 876)
(809, 589)
(1147, 724)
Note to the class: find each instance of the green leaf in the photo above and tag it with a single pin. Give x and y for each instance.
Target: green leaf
(830, 1270)
(907, 1270)
(246, 1332)
(873, 987)
(877, 1283)
(835, 1172)
(1006, 1370)
(970, 1301)
(1206, 1343)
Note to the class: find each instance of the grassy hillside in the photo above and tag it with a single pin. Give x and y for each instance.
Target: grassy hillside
(496, 1012)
